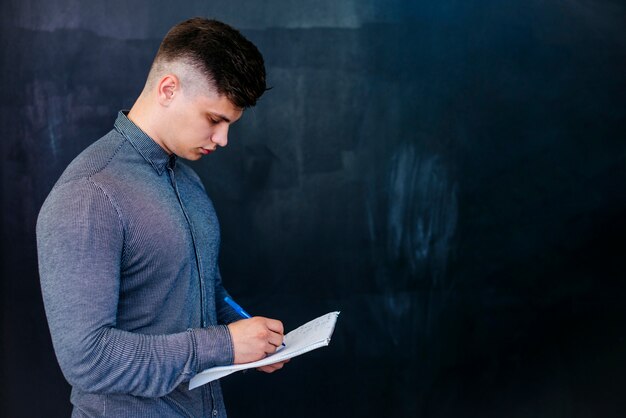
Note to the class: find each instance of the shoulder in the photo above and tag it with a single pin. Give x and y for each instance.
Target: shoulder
(75, 205)
(94, 158)
(88, 172)
(77, 188)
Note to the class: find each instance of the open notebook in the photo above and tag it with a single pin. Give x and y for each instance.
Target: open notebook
(312, 335)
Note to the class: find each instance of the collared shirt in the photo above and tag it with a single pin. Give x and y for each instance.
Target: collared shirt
(128, 244)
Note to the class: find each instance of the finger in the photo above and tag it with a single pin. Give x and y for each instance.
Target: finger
(278, 365)
(275, 339)
(275, 325)
(271, 367)
(270, 348)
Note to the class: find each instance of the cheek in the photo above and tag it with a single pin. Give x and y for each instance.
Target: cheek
(190, 130)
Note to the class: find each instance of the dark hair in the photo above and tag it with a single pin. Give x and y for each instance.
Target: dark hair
(231, 63)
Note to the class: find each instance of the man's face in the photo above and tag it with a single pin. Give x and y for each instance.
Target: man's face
(198, 124)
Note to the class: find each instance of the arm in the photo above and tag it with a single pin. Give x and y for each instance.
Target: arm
(252, 338)
(80, 240)
(225, 313)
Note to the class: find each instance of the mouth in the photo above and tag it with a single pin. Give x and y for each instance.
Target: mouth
(206, 151)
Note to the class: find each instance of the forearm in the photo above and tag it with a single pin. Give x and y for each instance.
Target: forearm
(96, 356)
(110, 360)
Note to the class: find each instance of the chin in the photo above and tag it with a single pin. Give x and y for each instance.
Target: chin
(190, 156)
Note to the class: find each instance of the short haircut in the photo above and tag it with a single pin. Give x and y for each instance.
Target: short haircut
(231, 64)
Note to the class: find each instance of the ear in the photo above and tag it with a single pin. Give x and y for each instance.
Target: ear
(167, 89)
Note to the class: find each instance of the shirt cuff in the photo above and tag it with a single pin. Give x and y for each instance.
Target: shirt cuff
(214, 347)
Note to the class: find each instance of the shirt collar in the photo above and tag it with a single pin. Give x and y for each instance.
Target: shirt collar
(146, 146)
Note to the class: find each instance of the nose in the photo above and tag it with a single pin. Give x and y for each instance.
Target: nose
(220, 135)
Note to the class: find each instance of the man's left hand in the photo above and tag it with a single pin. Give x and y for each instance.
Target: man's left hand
(271, 368)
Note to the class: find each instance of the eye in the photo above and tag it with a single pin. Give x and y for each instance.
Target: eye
(213, 120)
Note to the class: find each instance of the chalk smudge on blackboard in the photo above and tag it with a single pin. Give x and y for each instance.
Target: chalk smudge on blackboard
(412, 218)
(412, 221)
(422, 212)
(44, 114)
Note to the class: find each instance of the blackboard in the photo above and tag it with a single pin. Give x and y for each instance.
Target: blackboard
(449, 175)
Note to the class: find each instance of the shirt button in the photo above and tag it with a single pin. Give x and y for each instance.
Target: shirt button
(215, 412)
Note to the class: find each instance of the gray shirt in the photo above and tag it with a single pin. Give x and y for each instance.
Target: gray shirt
(128, 244)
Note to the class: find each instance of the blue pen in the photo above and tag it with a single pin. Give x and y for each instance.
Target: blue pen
(239, 309)
(236, 307)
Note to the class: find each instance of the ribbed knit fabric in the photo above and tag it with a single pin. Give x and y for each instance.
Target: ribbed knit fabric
(128, 243)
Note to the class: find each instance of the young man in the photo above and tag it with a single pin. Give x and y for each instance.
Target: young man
(128, 241)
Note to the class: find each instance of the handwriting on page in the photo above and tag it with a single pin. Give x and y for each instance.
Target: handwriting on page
(312, 331)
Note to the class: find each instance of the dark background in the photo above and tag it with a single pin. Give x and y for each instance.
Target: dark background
(450, 175)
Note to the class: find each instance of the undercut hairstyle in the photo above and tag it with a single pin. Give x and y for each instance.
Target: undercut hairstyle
(231, 64)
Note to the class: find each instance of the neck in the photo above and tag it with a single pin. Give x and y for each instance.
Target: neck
(147, 119)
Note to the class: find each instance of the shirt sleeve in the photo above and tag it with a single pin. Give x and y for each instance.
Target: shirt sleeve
(225, 313)
(80, 243)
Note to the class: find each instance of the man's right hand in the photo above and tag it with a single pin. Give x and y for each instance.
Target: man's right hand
(255, 338)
